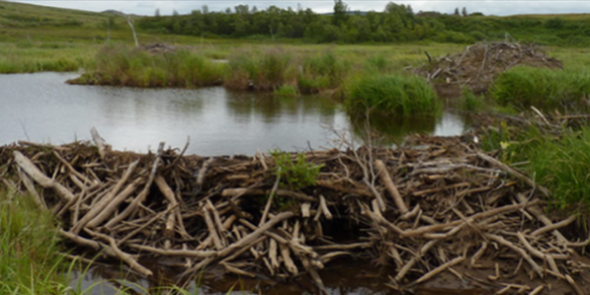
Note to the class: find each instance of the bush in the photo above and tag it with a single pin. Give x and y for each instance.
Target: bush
(295, 173)
(388, 94)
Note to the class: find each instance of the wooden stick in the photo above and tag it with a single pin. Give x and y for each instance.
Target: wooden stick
(173, 252)
(113, 204)
(142, 195)
(100, 143)
(105, 201)
(571, 281)
(514, 173)
(390, 186)
(439, 269)
(518, 250)
(29, 167)
(554, 226)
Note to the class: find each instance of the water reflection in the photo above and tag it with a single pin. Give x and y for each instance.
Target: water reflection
(42, 108)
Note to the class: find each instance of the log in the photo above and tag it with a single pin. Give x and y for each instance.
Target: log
(391, 188)
(27, 165)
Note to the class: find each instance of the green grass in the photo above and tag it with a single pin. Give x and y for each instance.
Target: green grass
(523, 87)
(123, 66)
(265, 69)
(321, 72)
(287, 91)
(401, 96)
(562, 167)
(28, 247)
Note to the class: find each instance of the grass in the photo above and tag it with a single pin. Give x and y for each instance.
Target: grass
(258, 69)
(546, 89)
(123, 66)
(401, 96)
(562, 167)
(28, 247)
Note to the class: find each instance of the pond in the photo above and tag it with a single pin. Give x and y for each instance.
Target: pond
(40, 107)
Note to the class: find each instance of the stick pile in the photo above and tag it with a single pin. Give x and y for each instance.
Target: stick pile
(478, 65)
(425, 209)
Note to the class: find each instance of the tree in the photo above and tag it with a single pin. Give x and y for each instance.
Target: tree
(340, 13)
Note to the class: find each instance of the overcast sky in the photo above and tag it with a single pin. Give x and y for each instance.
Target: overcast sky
(488, 7)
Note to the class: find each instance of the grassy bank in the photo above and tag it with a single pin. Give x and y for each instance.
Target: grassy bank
(123, 66)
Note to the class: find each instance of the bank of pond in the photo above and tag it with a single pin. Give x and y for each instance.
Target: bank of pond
(504, 75)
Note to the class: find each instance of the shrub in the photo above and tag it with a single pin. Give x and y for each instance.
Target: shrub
(295, 172)
(388, 94)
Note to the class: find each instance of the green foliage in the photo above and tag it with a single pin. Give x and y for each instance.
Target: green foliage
(295, 172)
(401, 96)
(523, 87)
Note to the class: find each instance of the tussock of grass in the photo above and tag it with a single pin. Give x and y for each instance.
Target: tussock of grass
(562, 167)
(523, 87)
(28, 247)
(395, 95)
(287, 91)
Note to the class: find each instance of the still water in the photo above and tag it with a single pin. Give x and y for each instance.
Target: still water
(40, 107)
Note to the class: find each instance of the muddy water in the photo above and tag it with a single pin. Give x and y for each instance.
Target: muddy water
(42, 108)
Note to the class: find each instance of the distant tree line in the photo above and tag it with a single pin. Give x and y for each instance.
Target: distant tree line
(396, 23)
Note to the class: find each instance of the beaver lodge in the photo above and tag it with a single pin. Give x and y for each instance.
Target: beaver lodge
(433, 207)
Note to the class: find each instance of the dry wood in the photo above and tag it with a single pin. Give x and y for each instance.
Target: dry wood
(391, 188)
(100, 143)
(439, 269)
(27, 165)
(518, 250)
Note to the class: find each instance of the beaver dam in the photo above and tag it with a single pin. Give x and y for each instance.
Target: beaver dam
(434, 208)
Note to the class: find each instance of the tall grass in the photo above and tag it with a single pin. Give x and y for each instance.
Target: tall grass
(562, 167)
(321, 72)
(123, 66)
(28, 247)
(402, 96)
(258, 70)
(523, 87)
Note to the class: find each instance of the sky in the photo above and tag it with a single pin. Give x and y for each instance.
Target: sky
(487, 7)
